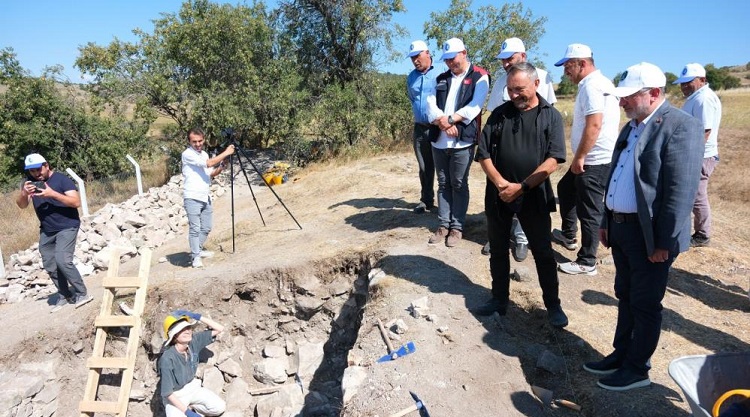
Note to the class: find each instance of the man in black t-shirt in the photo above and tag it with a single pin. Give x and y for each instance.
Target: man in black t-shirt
(520, 146)
(56, 201)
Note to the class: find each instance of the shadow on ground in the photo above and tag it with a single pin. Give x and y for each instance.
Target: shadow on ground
(525, 334)
(384, 214)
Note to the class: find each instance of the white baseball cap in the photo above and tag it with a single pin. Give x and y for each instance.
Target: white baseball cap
(575, 50)
(451, 48)
(690, 72)
(510, 47)
(34, 160)
(416, 48)
(637, 77)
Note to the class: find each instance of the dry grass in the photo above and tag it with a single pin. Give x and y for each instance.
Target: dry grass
(124, 186)
(18, 228)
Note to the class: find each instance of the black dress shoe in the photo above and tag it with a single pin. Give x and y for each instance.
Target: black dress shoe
(557, 317)
(606, 366)
(624, 379)
(520, 251)
(494, 305)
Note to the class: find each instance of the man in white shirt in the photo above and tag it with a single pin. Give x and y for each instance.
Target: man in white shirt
(456, 109)
(702, 103)
(596, 118)
(651, 188)
(197, 171)
(512, 52)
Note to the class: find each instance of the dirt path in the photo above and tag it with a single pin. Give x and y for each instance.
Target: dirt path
(462, 366)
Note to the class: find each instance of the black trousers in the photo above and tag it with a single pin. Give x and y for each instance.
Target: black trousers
(639, 286)
(582, 198)
(536, 222)
(423, 152)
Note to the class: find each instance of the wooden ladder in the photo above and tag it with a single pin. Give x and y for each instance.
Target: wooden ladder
(105, 321)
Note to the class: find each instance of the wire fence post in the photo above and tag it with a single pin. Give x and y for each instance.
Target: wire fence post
(137, 174)
(81, 191)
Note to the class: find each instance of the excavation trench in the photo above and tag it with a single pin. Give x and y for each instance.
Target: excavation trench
(312, 314)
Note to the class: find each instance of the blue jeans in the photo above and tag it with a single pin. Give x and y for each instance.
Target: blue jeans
(452, 167)
(581, 199)
(200, 221)
(57, 250)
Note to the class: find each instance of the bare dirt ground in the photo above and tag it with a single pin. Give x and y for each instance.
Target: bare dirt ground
(360, 214)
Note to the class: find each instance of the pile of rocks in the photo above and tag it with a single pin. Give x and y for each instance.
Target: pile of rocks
(141, 221)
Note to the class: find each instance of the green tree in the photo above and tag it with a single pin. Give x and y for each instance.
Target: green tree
(721, 78)
(209, 65)
(672, 88)
(339, 40)
(566, 87)
(46, 115)
(484, 30)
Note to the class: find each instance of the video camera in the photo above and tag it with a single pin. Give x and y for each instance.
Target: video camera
(228, 134)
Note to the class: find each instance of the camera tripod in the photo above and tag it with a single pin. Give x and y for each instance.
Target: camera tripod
(228, 133)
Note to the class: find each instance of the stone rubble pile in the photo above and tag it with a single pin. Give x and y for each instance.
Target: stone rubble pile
(30, 391)
(142, 221)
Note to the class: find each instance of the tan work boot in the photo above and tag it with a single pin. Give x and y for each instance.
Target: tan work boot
(439, 235)
(453, 238)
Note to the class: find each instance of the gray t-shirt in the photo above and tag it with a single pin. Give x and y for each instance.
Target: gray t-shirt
(175, 370)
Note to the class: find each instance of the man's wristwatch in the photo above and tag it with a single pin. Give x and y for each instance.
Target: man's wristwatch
(525, 187)
(450, 120)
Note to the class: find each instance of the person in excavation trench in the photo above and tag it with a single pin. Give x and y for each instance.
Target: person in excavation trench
(182, 393)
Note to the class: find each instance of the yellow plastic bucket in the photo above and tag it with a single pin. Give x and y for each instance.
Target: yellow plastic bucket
(278, 179)
(268, 177)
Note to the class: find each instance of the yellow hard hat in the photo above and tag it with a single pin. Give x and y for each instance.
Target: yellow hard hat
(173, 324)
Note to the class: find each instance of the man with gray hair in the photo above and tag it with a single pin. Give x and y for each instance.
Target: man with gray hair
(702, 103)
(650, 191)
(520, 146)
(512, 52)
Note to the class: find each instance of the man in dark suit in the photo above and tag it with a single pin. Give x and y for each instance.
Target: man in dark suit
(650, 193)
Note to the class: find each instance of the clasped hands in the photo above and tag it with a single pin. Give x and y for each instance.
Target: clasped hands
(449, 129)
(509, 192)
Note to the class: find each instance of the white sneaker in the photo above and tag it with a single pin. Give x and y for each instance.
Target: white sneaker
(573, 268)
(206, 254)
(197, 263)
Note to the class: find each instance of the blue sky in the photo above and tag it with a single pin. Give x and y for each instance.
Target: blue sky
(668, 33)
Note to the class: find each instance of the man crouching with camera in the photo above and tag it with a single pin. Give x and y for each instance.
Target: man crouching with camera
(56, 201)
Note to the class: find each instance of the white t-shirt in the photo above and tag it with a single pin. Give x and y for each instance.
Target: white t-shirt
(591, 100)
(499, 93)
(705, 105)
(196, 175)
